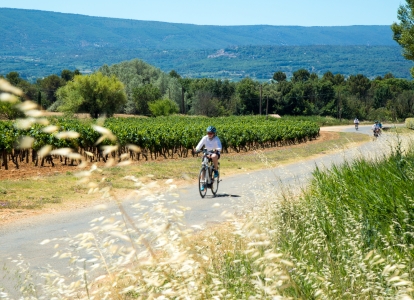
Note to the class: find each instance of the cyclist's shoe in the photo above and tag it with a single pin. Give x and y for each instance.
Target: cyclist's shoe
(202, 188)
(216, 173)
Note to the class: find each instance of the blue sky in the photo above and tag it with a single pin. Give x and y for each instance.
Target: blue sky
(229, 12)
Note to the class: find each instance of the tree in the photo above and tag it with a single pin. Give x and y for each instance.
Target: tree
(30, 90)
(207, 105)
(174, 74)
(248, 92)
(325, 95)
(301, 75)
(279, 76)
(13, 78)
(314, 77)
(403, 32)
(68, 75)
(142, 95)
(381, 96)
(49, 86)
(135, 74)
(358, 85)
(328, 76)
(95, 94)
(339, 79)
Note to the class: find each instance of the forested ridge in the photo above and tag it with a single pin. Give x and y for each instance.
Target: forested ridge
(32, 29)
(29, 47)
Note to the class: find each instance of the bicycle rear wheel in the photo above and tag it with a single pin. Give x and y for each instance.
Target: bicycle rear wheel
(202, 182)
(215, 184)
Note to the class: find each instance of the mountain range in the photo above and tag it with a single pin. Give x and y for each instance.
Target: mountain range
(39, 43)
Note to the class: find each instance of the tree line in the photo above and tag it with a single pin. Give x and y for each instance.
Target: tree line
(135, 87)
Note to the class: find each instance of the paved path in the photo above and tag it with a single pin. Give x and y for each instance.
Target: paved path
(234, 193)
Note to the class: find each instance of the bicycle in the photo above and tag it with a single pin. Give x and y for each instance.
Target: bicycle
(376, 133)
(206, 177)
(356, 126)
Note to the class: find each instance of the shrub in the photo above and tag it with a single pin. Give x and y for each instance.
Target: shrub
(409, 123)
(9, 111)
(163, 107)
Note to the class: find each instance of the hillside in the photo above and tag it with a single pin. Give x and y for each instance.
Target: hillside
(31, 29)
(258, 62)
(39, 43)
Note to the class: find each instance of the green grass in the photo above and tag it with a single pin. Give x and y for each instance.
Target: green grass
(321, 121)
(351, 234)
(399, 130)
(35, 193)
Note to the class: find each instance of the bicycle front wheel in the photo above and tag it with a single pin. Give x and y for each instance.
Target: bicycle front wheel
(202, 186)
(215, 184)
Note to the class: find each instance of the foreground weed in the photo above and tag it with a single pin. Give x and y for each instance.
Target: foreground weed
(152, 255)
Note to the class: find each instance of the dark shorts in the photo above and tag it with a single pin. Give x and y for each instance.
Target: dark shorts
(218, 156)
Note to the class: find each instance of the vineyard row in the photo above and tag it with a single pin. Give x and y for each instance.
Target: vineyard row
(149, 138)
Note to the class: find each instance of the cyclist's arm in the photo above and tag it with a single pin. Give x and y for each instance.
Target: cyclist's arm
(218, 146)
(200, 144)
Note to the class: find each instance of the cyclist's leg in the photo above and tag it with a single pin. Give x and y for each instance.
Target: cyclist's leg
(215, 157)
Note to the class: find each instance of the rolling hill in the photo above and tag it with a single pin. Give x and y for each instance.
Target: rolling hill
(39, 43)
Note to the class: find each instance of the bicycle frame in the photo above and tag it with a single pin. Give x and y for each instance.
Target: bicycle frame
(206, 178)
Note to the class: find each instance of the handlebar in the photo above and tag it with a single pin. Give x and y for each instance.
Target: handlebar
(205, 151)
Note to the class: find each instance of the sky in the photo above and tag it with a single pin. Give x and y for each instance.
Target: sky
(229, 12)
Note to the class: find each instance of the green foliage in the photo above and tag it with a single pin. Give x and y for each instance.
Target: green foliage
(9, 111)
(279, 76)
(8, 135)
(320, 120)
(49, 85)
(163, 107)
(248, 93)
(409, 123)
(301, 75)
(143, 95)
(68, 75)
(143, 83)
(380, 114)
(404, 30)
(95, 94)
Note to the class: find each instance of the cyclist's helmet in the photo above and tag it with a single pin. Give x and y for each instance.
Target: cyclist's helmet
(211, 129)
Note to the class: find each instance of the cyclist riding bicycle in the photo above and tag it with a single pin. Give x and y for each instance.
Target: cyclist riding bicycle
(376, 128)
(356, 122)
(212, 143)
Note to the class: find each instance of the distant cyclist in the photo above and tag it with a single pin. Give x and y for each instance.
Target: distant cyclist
(376, 128)
(211, 142)
(356, 122)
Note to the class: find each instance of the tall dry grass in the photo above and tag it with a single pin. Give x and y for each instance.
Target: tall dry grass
(148, 253)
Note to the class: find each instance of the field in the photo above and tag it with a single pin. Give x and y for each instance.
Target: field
(349, 235)
(328, 243)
